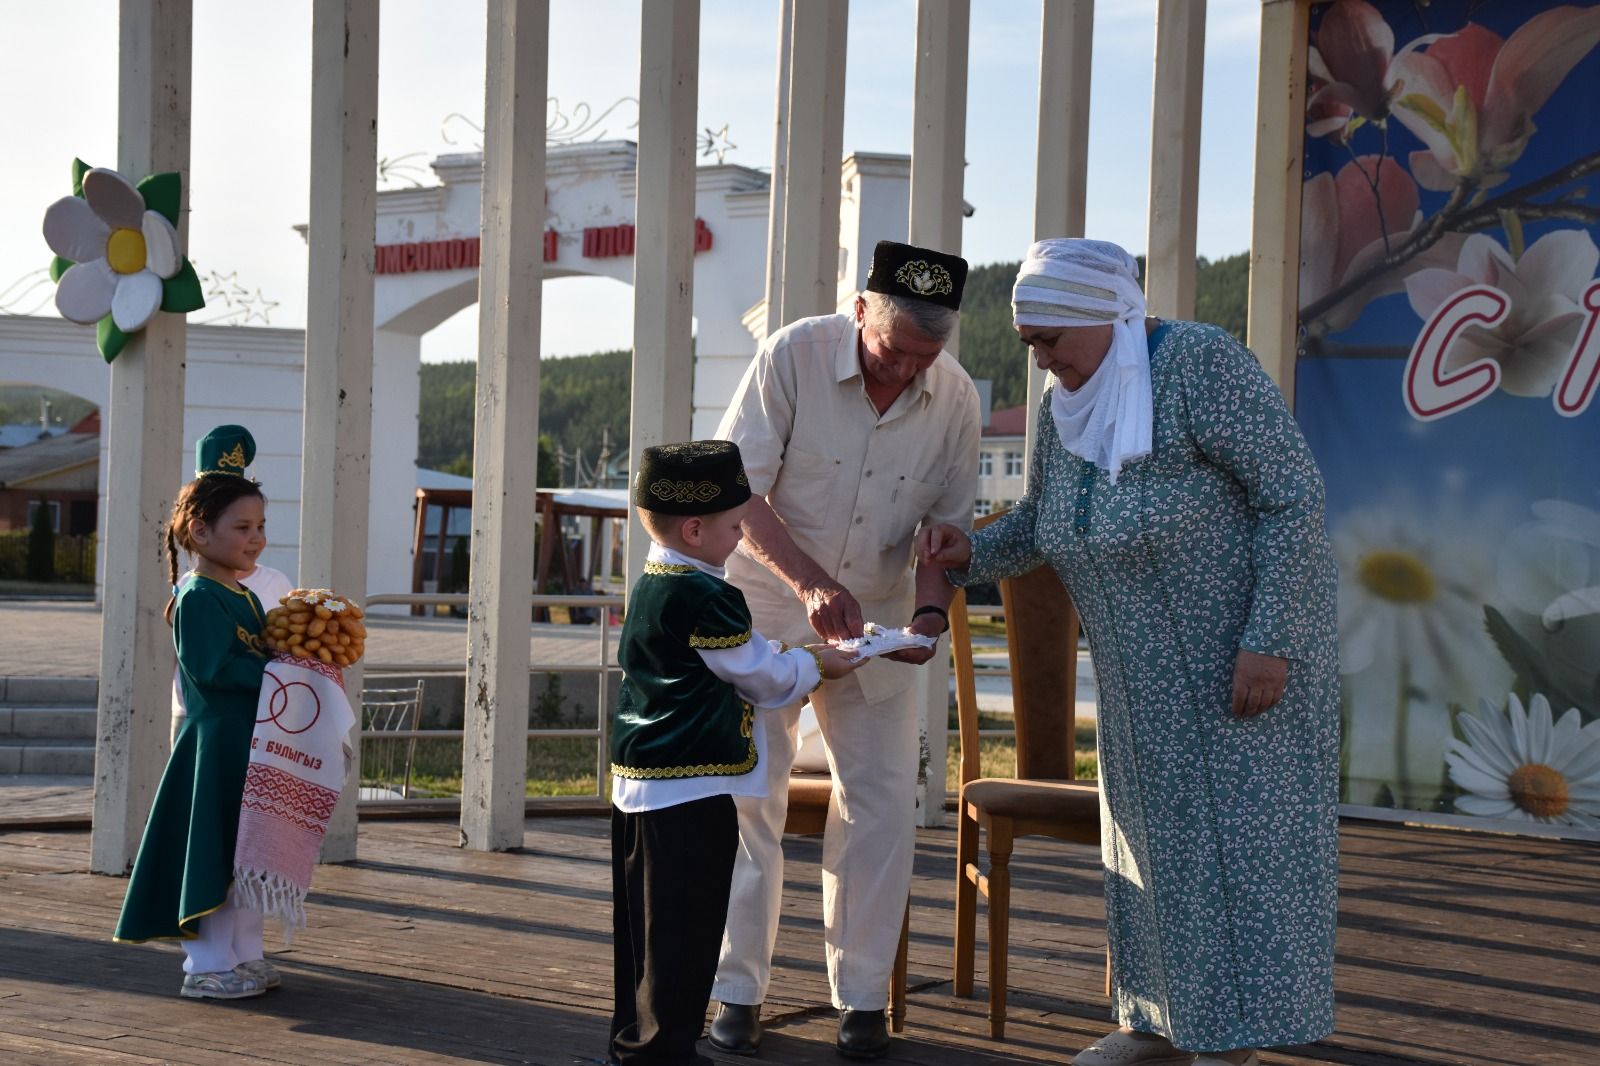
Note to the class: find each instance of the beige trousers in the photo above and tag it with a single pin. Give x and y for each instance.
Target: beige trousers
(866, 852)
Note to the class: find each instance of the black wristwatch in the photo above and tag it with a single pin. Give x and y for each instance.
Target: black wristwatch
(929, 608)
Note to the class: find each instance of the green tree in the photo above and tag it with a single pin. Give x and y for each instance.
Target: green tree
(583, 400)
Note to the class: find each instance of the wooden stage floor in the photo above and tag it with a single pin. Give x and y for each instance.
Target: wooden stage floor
(1453, 948)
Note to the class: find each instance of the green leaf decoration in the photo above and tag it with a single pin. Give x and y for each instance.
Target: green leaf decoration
(181, 293)
(79, 169)
(1524, 659)
(59, 266)
(163, 194)
(109, 339)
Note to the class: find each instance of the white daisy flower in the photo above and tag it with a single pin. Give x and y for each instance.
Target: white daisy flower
(1411, 597)
(1522, 766)
(121, 252)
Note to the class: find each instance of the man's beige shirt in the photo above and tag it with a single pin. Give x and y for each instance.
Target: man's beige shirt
(852, 486)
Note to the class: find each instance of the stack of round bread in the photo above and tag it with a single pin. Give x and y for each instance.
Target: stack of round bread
(316, 624)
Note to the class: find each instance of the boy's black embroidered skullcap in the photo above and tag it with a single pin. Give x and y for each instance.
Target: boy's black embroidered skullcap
(695, 478)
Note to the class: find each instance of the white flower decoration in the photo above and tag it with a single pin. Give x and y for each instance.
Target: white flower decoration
(121, 252)
(1523, 766)
(1546, 285)
(1411, 596)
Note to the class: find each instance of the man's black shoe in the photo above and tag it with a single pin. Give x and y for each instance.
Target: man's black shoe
(863, 1034)
(737, 1028)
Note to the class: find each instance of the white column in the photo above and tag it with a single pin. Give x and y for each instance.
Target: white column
(396, 397)
(663, 258)
(336, 460)
(505, 457)
(938, 164)
(780, 168)
(1175, 158)
(1275, 233)
(816, 145)
(1066, 52)
(145, 433)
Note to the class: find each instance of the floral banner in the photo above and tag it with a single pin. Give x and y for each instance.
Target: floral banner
(1450, 331)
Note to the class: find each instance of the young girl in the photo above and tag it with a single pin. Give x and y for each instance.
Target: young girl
(180, 888)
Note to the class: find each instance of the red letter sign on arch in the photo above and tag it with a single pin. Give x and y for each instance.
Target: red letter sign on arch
(1429, 394)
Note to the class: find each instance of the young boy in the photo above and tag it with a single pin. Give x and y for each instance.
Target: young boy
(685, 739)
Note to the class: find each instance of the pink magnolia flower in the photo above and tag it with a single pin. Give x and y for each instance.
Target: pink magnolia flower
(1349, 66)
(1545, 285)
(1471, 96)
(1342, 231)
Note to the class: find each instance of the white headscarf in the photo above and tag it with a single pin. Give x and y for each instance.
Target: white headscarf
(1074, 282)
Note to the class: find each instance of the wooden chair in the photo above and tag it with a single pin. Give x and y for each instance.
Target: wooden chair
(809, 796)
(1042, 800)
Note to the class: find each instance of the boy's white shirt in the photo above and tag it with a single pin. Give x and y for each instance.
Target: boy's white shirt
(763, 675)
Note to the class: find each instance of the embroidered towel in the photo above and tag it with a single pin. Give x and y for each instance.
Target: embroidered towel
(298, 757)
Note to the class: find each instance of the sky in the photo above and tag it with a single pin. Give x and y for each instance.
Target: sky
(252, 99)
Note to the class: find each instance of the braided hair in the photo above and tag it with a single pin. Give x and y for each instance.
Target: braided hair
(203, 499)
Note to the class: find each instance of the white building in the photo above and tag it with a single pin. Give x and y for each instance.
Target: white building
(427, 270)
(1002, 453)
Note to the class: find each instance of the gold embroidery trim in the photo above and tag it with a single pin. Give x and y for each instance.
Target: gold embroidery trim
(714, 643)
(251, 640)
(234, 458)
(924, 278)
(669, 568)
(657, 773)
(685, 491)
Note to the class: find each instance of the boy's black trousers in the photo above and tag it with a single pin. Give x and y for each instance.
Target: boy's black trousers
(671, 871)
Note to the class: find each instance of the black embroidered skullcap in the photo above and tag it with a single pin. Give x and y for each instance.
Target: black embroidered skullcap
(699, 477)
(917, 273)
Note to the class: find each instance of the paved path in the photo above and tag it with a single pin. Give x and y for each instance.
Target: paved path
(44, 639)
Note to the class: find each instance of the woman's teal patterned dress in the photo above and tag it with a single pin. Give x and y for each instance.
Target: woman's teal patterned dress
(1219, 834)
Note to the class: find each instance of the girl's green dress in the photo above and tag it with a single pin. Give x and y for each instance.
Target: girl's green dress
(185, 863)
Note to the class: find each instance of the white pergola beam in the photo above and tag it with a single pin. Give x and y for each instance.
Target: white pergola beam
(1066, 52)
(144, 419)
(778, 189)
(1175, 157)
(506, 434)
(1280, 152)
(938, 166)
(816, 145)
(663, 259)
(337, 453)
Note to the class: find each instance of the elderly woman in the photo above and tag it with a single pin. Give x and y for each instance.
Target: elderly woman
(1173, 493)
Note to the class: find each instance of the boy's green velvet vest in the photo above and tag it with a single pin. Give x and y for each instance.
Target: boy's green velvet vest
(675, 718)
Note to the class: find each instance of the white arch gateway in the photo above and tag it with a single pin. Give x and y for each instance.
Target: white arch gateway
(427, 270)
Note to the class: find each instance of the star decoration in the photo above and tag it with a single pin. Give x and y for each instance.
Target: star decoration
(715, 142)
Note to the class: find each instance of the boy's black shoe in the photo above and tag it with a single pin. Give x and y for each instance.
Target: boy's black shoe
(737, 1028)
(863, 1034)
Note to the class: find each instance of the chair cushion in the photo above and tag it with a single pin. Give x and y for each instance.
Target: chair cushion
(1014, 798)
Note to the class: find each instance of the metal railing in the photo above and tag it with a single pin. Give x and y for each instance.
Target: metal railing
(603, 670)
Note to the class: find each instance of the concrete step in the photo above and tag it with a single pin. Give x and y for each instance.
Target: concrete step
(74, 757)
(47, 723)
(40, 691)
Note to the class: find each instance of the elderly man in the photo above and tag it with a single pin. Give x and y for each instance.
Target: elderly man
(855, 430)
